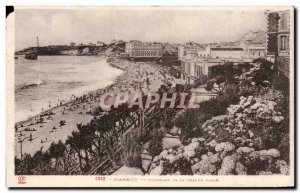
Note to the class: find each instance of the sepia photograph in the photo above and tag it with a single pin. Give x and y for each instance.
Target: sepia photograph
(150, 97)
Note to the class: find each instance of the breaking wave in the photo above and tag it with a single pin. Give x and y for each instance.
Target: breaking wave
(30, 85)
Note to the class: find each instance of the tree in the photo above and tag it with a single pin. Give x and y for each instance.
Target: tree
(155, 144)
(99, 43)
(86, 135)
(265, 73)
(220, 82)
(72, 44)
(58, 150)
(74, 142)
(25, 166)
(155, 147)
(132, 154)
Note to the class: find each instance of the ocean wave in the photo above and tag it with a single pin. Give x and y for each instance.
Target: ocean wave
(30, 85)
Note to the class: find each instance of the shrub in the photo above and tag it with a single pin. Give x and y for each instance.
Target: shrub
(132, 154)
(25, 166)
(155, 147)
(188, 121)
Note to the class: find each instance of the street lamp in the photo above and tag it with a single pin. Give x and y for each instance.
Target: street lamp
(21, 145)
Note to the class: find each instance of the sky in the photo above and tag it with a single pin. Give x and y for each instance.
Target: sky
(176, 25)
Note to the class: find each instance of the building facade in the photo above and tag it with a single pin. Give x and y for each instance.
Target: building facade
(197, 63)
(278, 39)
(256, 51)
(227, 52)
(144, 50)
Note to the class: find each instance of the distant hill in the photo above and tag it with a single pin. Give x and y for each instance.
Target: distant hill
(78, 50)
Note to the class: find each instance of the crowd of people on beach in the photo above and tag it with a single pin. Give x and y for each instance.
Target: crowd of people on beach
(137, 76)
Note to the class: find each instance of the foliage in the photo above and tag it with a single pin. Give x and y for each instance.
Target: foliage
(187, 122)
(132, 154)
(57, 149)
(155, 144)
(155, 147)
(25, 166)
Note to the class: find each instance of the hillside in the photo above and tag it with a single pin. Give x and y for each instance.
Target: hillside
(77, 50)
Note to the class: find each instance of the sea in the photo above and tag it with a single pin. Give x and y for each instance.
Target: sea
(41, 84)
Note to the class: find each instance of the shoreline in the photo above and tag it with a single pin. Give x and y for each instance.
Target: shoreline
(72, 100)
(78, 110)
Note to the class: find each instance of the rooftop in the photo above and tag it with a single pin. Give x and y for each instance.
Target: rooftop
(227, 49)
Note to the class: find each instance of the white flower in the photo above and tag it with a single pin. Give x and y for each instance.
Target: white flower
(240, 169)
(214, 158)
(226, 146)
(213, 143)
(201, 139)
(163, 154)
(254, 155)
(172, 159)
(278, 119)
(251, 134)
(209, 153)
(158, 170)
(220, 147)
(228, 164)
(223, 172)
(283, 167)
(189, 150)
(242, 150)
(155, 159)
(171, 151)
(263, 154)
(204, 156)
(204, 167)
(273, 152)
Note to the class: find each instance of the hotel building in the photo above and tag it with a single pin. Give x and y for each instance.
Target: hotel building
(198, 63)
(144, 50)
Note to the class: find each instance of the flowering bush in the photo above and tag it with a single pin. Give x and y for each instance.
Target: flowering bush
(249, 123)
(237, 143)
(224, 158)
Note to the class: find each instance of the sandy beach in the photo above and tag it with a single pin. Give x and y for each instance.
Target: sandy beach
(38, 132)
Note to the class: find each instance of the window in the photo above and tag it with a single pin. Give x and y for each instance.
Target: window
(284, 21)
(283, 43)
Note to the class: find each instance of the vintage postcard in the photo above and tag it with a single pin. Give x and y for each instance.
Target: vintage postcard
(150, 97)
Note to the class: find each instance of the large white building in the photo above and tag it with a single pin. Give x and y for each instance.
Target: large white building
(199, 62)
(144, 50)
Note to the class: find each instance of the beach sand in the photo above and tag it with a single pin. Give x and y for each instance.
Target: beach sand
(135, 77)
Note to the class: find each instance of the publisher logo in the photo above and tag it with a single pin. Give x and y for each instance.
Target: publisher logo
(21, 180)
